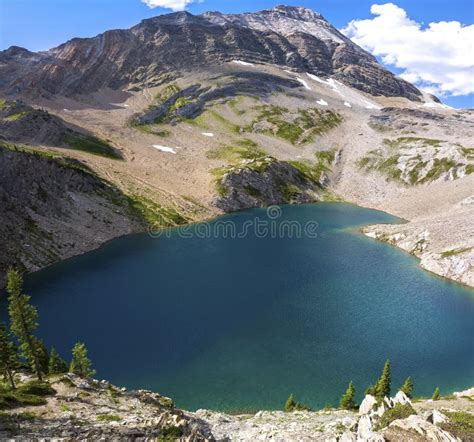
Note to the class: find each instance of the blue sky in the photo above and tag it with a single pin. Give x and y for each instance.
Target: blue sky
(42, 24)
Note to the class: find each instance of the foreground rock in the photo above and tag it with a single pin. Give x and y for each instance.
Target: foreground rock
(89, 409)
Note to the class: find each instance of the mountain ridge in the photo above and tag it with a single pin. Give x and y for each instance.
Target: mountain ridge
(292, 37)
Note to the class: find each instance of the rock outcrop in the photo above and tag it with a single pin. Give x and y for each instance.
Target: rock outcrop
(54, 208)
(265, 182)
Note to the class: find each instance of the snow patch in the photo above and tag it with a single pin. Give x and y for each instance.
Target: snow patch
(165, 149)
(333, 84)
(243, 63)
(322, 102)
(369, 105)
(208, 134)
(306, 86)
(347, 104)
(437, 105)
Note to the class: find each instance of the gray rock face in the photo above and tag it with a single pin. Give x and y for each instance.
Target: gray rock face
(297, 38)
(367, 405)
(275, 182)
(52, 209)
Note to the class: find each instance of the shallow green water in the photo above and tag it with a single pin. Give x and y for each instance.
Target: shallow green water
(238, 324)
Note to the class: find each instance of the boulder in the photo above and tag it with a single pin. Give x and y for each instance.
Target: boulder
(348, 436)
(401, 398)
(435, 417)
(364, 431)
(416, 429)
(367, 405)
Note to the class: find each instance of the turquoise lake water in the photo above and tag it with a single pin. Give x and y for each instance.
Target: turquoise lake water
(238, 324)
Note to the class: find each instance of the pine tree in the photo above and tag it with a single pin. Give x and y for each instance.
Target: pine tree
(81, 364)
(290, 403)
(382, 387)
(8, 356)
(347, 401)
(24, 321)
(56, 365)
(370, 390)
(436, 394)
(407, 387)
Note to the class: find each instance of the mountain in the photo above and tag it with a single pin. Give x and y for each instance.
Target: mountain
(291, 37)
(187, 117)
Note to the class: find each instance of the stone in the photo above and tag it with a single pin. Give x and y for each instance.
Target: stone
(401, 398)
(416, 429)
(367, 404)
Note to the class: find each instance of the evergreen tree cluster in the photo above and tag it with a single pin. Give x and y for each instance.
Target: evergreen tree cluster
(31, 349)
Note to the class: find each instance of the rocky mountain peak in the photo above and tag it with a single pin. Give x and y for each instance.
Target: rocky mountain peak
(296, 12)
(285, 36)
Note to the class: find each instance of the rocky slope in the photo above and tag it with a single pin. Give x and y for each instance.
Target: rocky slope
(80, 409)
(54, 208)
(296, 38)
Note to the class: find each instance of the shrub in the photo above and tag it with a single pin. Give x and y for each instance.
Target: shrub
(398, 412)
(292, 405)
(36, 388)
(108, 418)
(436, 394)
(170, 433)
(461, 424)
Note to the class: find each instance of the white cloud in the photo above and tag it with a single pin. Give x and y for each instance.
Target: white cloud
(175, 5)
(438, 58)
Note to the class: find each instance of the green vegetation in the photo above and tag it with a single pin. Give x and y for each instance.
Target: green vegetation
(234, 128)
(382, 386)
(407, 387)
(17, 116)
(153, 129)
(167, 92)
(460, 425)
(455, 252)
(81, 364)
(347, 401)
(234, 103)
(91, 144)
(3, 103)
(30, 393)
(436, 395)
(170, 434)
(295, 127)
(406, 141)
(155, 214)
(313, 171)
(417, 170)
(399, 411)
(108, 417)
(24, 322)
(56, 364)
(8, 356)
(247, 150)
(292, 405)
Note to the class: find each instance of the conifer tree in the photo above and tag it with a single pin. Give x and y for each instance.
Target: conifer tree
(81, 364)
(8, 356)
(290, 403)
(407, 387)
(382, 387)
(56, 365)
(347, 400)
(24, 321)
(436, 395)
